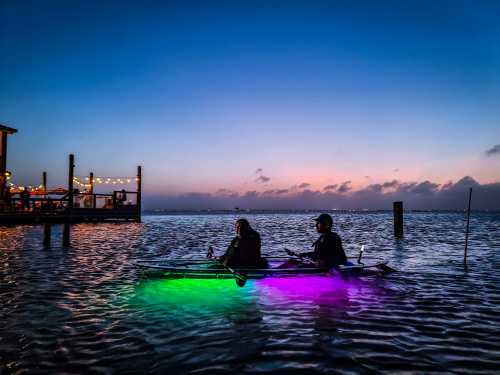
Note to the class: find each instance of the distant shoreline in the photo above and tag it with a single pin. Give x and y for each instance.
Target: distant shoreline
(261, 212)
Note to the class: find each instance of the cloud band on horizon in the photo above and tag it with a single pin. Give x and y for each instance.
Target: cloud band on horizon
(416, 195)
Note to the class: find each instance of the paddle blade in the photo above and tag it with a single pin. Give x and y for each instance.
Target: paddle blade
(240, 282)
(240, 278)
(386, 269)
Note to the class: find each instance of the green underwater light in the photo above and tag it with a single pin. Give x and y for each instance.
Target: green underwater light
(212, 293)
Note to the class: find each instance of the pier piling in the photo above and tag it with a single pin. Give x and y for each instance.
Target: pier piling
(66, 234)
(4, 132)
(47, 229)
(71, 175)
(398, 219)
(91, 182)
(467, 229)
(139, 192)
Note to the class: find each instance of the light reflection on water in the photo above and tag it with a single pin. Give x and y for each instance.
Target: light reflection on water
(86, 309)
(203, 296)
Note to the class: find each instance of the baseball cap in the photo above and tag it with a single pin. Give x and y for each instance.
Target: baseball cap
(324, 218)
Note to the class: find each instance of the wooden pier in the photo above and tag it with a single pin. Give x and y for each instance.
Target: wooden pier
(67, 205)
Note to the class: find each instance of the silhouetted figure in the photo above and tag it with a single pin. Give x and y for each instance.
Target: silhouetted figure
(25, 198)
(76, 198)
(108, 202)
(328, 251)
(244, 249)
(88, 200)
(123, 197)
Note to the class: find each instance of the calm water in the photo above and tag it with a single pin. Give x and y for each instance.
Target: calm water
(86, 310)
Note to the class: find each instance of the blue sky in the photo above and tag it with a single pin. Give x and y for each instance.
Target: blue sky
(202, 94)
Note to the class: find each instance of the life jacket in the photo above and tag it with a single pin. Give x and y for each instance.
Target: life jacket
(244, 252)
(328, 248)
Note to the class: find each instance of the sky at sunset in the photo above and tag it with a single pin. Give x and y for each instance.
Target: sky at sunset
(268, 104)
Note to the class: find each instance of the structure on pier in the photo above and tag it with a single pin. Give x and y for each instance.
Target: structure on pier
(75, 203)
(4, 174)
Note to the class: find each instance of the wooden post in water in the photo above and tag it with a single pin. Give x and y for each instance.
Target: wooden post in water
(398, 219)
(91, 182)
(139, 192)
(44, 186)
(71, 175)
(3, 163)
(467, 229)
(46, 234)
(4, 131)
(91, 189)
(66, 234)
(44, 182)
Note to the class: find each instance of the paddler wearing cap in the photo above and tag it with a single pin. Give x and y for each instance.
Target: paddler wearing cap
(328, 251)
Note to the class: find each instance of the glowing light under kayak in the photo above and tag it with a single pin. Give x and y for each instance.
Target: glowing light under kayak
(304, 288)
(205, 296)
(192, 292)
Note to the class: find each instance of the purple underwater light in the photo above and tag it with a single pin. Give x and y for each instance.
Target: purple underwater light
(331, 289)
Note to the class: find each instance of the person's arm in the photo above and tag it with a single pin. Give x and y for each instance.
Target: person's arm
(230, 253)
(312, 254)
(326, 251)
(309, 254)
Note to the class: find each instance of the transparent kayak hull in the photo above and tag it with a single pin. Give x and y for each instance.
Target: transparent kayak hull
(203, 269)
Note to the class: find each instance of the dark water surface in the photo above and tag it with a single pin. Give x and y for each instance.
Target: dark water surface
(86, 310)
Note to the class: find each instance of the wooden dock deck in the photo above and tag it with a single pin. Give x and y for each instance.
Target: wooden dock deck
(76, 215)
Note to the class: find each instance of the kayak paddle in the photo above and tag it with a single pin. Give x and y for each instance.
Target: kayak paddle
(239, 277)
(297, 255)
(383, 267)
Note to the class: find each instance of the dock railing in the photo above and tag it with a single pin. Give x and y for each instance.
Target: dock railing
(117, 200)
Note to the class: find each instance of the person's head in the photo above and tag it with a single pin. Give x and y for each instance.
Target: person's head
(242, 227)
(324, 223)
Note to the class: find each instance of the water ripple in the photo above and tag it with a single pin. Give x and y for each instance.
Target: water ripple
(86, 310)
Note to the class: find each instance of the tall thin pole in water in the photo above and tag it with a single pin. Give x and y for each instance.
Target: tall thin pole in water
(71, 174)
(44, 182)
(91, 183)
(139, 192)
(467, 229)
(91, 189)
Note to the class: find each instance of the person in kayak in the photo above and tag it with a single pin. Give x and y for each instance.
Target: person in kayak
(328, 251)
(244, 249)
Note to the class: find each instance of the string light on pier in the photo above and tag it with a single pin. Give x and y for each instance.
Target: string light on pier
(85, 181)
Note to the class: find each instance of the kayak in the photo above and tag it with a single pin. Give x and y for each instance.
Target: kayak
(203, 268)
